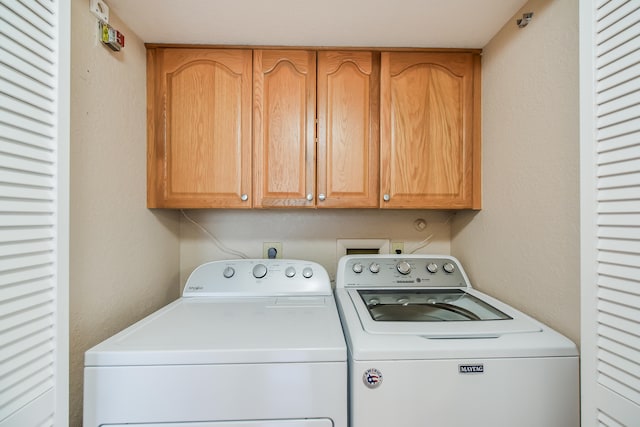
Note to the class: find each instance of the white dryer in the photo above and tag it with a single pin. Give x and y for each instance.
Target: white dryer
(426, 349)
(251, 343)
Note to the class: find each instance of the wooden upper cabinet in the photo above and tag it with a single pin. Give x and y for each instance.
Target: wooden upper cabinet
(348, 129)
(430, 130)
(242, 128)
(284, 83)
(199, 128)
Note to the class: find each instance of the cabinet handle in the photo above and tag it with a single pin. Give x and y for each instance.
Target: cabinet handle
(322, 197)
(386, 197)
(309, 197)
(244, 197)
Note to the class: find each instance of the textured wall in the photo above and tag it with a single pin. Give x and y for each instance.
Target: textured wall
(124, 258)
(306, 234)
(523, 247)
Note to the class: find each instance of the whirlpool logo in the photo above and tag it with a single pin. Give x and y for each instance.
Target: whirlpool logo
(477, 368)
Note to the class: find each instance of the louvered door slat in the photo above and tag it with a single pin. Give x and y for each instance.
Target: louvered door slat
(11, 133)
(31, 285)
(616, 322)
(29, 114)
(621, 154)
(22, 86)
(628, 139)
(611, 232)
(619, 206)
(617, 124)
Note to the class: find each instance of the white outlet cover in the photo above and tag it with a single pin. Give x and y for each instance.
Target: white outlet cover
(100, 10)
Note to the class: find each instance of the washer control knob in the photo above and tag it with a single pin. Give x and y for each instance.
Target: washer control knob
(357, 268)
(374, 267)
(290, 272)
(432, 267)
(307, 272)
(259, 271)
(228, 272)
(403, 267)
(448, 267)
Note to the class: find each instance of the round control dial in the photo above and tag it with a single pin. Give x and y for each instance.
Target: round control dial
(403, 267)
(374, 267)
(259, 271)
(432, 267)
(290, 272)
(448, 267)
(228, 272)
(307, 272)
(357, 268)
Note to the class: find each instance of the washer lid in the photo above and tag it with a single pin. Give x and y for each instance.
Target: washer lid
(437, 313)
(229, 330)
(427, 305)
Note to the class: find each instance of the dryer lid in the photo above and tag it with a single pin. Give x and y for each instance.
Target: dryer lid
(229, 330)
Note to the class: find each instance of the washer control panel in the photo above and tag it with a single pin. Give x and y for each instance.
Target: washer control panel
(258, 277)
(400, 270)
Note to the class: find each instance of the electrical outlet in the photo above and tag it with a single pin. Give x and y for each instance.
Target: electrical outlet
(268, 245)
(397, 247)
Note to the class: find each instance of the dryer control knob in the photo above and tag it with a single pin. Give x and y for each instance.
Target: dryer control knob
(228, 272)
(432, 267)
(403, 267)
(259, 271)
(290, 272)
(448, 267)
(357, 268)
(307, 272)
(374, 267)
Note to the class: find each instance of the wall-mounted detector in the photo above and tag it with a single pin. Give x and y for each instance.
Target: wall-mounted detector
(100, 10)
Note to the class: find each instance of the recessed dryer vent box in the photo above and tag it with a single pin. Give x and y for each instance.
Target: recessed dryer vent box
(361, 246)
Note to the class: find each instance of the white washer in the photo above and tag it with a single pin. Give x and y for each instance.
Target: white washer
(251, 343)
(425, 349)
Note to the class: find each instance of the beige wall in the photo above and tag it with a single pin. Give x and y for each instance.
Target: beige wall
(124, 258)
(306, 234)
(523, 247)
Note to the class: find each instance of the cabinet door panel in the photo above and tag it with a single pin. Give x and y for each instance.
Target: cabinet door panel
(203, 144)
(428, 133)
(284, 128)
(348, 128)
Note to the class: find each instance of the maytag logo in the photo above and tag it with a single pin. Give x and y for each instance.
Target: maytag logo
(471, 369)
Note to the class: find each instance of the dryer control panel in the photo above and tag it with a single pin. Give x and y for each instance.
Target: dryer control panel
(400, 270)
(258, 277)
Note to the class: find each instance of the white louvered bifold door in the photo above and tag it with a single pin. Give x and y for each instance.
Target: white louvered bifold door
(611, 300)
(30, 132)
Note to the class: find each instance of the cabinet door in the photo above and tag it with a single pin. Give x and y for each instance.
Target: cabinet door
(199, 131)
(284, 128)
(348, 129)
(430, 141)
